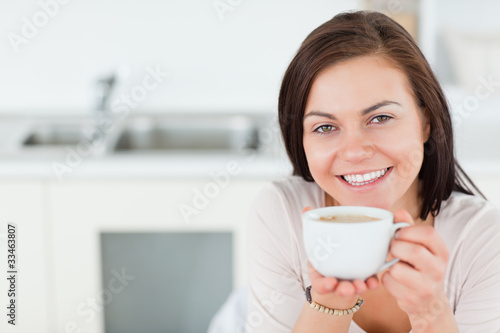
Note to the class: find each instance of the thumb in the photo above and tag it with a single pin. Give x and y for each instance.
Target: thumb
(306, 209)
(403, 216)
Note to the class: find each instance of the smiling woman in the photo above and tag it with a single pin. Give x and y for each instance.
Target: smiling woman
(365, 123)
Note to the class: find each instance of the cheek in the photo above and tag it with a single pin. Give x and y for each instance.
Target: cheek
(410, 144)
(410, 155)
(319, 158)
(416, 158)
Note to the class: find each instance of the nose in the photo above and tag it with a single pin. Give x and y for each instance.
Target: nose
(355, 147)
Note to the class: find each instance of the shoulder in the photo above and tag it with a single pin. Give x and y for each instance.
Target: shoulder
(288, 191)
(274, 228)
(294, 184)
(469, 212)
(277, 208)
(467, 220)
(470, 226)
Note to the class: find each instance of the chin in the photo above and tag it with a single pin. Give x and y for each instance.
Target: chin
(369, 201)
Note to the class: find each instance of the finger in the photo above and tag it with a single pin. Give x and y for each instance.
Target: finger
(325, 285)
(402, 215)
(395, 288)
(406, 275)
(427, 236)
(419, 257)
(306, 209)
(360, 286)
(372, 282)
(345, 288)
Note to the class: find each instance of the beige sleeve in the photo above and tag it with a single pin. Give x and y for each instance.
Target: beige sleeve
(276, 292)
(478, 305)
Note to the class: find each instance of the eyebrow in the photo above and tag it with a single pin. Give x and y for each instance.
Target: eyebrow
(363, 112)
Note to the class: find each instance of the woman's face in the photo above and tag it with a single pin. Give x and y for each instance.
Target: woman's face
(364, 134)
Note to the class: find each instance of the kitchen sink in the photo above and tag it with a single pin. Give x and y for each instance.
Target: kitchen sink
(190, 133)
(58, 134)
(184, 133)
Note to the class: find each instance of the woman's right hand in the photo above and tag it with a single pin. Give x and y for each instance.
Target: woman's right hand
(341, 292)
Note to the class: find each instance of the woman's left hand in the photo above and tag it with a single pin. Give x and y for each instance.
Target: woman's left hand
(417, 280)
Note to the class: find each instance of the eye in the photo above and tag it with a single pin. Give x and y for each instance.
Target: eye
(324, 129)
(381, 118)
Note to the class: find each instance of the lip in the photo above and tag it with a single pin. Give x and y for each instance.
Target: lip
(361, 172)
(366, 187)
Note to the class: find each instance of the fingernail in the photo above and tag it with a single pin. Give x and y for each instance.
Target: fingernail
(396, 235)
(329, 287)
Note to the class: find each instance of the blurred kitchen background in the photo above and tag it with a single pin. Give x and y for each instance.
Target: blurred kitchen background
(135, 134)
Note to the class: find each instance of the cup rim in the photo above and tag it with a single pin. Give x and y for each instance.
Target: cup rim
(313, 215)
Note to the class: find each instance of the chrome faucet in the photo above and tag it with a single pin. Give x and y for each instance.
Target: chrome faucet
(103, 90)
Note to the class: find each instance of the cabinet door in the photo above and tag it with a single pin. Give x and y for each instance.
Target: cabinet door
(22, 204)
(80, 211)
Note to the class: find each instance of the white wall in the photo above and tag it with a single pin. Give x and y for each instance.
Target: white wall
(473, 22)
(467, 39)
(213, 64)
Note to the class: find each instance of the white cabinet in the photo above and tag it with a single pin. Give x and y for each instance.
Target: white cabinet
(23, 203)
(81, 210)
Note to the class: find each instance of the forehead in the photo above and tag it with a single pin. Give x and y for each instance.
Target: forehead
(356, 83)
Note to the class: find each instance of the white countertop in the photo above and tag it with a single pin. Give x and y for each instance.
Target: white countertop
(145, 166)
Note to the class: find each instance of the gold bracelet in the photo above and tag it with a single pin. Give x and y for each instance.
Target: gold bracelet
(335, 312)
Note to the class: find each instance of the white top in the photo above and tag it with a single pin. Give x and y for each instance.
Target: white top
(469, 225)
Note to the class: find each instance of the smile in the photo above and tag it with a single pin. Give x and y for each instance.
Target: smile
(364, 179)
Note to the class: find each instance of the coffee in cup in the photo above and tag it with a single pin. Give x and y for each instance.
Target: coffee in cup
(348, 218)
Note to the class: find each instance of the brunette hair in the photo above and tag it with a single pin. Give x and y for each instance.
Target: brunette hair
(364, 33)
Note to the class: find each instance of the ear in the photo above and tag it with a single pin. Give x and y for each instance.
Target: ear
(426, 122)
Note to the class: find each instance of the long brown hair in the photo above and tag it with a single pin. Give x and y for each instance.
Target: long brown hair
(363, 33)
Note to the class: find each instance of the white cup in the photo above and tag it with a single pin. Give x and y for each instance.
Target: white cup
(349, 250)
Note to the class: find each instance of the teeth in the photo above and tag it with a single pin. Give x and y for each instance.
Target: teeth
(358, 180)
